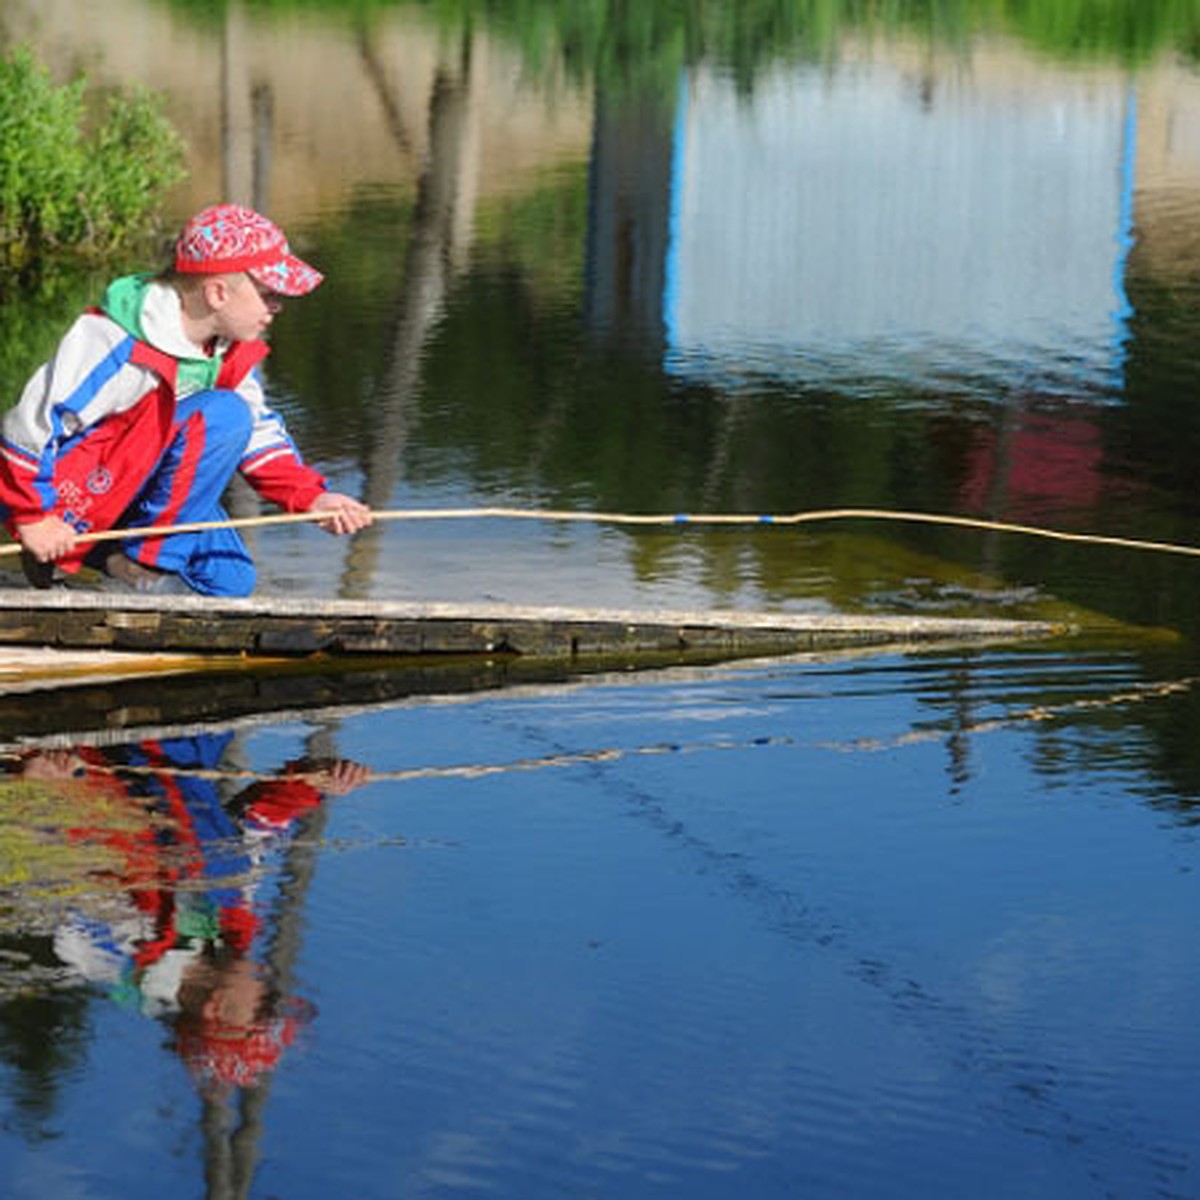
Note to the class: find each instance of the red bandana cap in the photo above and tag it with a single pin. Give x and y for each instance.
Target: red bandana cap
(229, 238)
(223, 1055)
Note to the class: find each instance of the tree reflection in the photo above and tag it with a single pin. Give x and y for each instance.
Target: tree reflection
(43, 1031)
(441, 228)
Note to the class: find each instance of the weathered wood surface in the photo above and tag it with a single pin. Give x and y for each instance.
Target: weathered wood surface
(292, 627)
(28, 667)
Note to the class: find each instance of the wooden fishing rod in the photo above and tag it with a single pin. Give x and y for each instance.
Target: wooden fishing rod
(812, 516)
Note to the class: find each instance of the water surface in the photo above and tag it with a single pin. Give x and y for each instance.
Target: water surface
(878, 925)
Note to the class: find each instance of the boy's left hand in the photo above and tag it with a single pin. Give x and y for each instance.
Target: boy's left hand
(346, 515)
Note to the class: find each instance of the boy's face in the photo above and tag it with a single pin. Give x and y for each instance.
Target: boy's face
(243, 309)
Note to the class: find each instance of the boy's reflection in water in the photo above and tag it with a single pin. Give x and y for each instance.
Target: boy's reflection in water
(171, 924)
(231, 1025)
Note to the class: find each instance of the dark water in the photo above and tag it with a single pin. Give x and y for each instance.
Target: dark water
(879, 925)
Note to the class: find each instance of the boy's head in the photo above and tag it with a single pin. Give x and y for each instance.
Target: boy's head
(233, 1024)
(227, 239)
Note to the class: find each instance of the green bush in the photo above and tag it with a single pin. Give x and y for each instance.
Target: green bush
(74, 186)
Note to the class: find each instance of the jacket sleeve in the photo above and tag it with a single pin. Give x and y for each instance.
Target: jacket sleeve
(271, 464)
(89, 377)
(275, 804)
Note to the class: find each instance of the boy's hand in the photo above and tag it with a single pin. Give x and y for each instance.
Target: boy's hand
(346, 515)
(52, 765)
(48, 539)
(339, 776)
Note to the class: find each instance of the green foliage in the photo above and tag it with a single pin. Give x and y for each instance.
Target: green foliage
(619, 41)
(642, 45)
(34, 313)
(136, 156)
(70, 186)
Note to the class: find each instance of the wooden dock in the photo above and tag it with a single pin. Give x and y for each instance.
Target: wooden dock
(77, 666)
(290, 628)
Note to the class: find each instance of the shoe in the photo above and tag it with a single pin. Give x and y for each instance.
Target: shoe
(39, 574)
(123, 574)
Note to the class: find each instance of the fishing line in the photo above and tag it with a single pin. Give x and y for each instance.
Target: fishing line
(678, 519)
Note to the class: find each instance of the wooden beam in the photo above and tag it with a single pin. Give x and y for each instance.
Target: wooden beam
(296, 627)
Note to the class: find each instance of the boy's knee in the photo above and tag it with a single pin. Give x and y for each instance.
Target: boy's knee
(218, 564)
(224, 413)
(215, 578)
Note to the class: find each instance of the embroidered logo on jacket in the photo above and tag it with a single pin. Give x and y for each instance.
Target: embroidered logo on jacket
(99, 481)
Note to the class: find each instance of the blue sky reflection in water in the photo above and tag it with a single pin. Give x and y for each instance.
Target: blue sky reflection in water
(881, 927)
(872, 926)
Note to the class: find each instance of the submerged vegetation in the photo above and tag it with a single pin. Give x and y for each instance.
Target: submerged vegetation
(74, 185)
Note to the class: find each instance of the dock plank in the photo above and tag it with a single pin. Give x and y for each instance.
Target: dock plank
(293, 627)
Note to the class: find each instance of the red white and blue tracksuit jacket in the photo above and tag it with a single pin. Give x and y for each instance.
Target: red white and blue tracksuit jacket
(125, 425)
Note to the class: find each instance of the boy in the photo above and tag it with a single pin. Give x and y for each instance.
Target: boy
(147, 408)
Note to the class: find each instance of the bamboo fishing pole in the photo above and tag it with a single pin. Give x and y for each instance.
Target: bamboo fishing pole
(812, 516)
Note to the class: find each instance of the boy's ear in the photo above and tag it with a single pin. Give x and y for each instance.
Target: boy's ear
(217, 290)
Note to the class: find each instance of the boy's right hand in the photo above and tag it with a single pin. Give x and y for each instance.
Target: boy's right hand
(48, 539)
